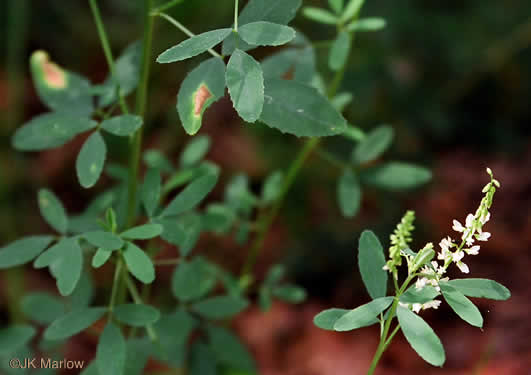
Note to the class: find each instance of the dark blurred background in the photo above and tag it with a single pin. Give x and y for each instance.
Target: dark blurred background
(452, 77)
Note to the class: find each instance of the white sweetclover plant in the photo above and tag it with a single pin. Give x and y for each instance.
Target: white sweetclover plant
(427, 271)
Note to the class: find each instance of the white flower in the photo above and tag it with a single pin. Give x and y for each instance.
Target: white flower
(474, 250)
(457, 256)
(445, 244)
(403, 304)
(484, 219)
(469, 221)
(385, 268)
(457, 226)
(484, 236)
(421, 283)
(463, 267)
(416, 307)
(431, 305)
(470, 241)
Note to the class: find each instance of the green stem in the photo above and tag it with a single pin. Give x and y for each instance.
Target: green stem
(236, 16)
(138, 300)
(115, 284)
(168, 5)
(106, 48)
(183, 28)
(141, 103)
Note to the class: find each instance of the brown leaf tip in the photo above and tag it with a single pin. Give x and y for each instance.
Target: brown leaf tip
(52, 74)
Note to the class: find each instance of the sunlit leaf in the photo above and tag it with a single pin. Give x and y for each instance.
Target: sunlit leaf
(371, 260)
(193, 46)
(124, 125)
(139, 263)
(266, 33)
(23, 250)
(363, 316)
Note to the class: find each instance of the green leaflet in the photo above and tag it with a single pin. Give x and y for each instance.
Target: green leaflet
(245, 81)
(106, 240)
(151, 191)
(15, 337)
(421, 337)
(297, 109)
(375, 143)
(52, 210)
(111, 351)
(50, 130)
(272, 187)
(349, 193)
(127, 73)
(220, 307)
(124, 125)
(101, 256)
(297, 62)
(195, 151)
(193, 280)
(60, 90)
(139, 263)
(352, 9)
(412, 295)
(461, 305)
(218, 218)
(193, 46)
(320, 15)
(53, 253)
(289, 293)
(74, 322)
(266, 33)
(336, 5)
(275, 11)
(341, 101)
(481, 288)
(371, 260)
(396, 176)
(156, 160)
(192, 195)
(136, 315)
(90, 161)
(182, 231)
(202, 86)
(174, 331)
(366, 24)
(42, 308)
(327, 318)
(363, 316)
(229, 350)
(23, 251)
(68, 269)
(143, 232)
